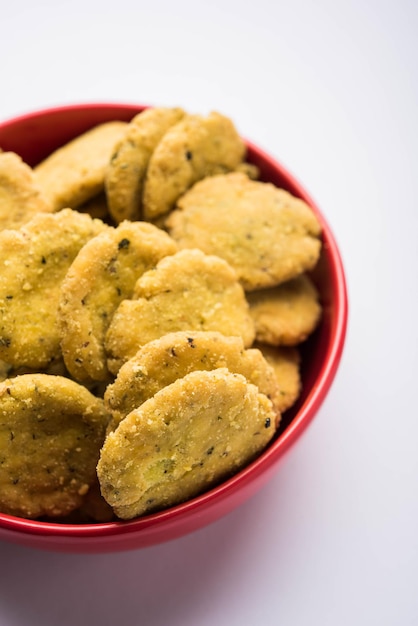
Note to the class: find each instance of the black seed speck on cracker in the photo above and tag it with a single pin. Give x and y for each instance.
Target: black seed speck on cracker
(123, 244)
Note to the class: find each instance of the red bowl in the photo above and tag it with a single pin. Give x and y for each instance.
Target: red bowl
(34, 136)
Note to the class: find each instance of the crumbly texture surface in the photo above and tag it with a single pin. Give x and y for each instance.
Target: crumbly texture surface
(162, 361)
(33, 263)
(188, 437)
(75, 172)
(196, 147)
(20, 196)
(187, 291)
(102, 275)
(267, 235)
(139, 360)
(285, 315)
(286, 364)
(126, 171)
(51, 432)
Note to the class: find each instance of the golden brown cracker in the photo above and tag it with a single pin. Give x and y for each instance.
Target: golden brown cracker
(285, 315)
(194, 148)
(102, 275)
(186, 291)
(51, 432)
(162, 361)
(126, 171)
(188, 437)
(267, 235)
(20, 196)
(34, 261)
(75, 172)
(286, 364)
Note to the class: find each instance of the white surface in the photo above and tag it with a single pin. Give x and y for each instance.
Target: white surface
(330, 88)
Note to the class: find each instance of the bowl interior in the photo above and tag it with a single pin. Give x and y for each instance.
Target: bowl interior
(36, 135)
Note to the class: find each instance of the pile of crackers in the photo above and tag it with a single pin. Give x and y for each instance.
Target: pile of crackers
(153, 295)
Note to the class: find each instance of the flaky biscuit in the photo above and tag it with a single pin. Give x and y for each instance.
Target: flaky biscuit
(126, 171)
(285, 315)
(187, 291)
(20, 195)
(286, 364)
(102, 275)
(188, 437)
(194, 148)
(162, 361)
(51, 432)
(267, 235)
(34, 261)
(75, 172)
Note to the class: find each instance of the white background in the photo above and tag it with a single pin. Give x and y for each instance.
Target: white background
(330, 87)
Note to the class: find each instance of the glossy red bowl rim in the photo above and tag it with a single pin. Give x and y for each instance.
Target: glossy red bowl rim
(211, 505)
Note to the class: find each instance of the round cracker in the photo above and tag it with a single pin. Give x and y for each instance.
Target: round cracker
(286, 364)
(51, 432)
(162, 361)
(194, 148)
(20, 196)
(75, 172)
(267, 235)
(191, 435)
(187, 291)
(103, 274)
(285, 315)
(126, 171)
(34, 261)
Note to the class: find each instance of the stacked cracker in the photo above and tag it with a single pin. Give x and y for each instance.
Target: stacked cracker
(148, 273)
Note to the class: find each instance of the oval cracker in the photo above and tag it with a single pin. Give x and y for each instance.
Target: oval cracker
(159, 363)
(267, 235)
(51, 431)
(34, 261)
(187, 291)
(188, 437)
(103, 274)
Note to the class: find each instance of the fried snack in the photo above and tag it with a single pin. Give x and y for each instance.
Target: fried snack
(187, 438)
(103, 274)
(51, 431)
(126, 171)
(186, 291)
(285, 315)
(267, 235)
(75, 173)
(162, 361)
(286, 364)
(20, 196)
(192, 149)
(34, 261)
